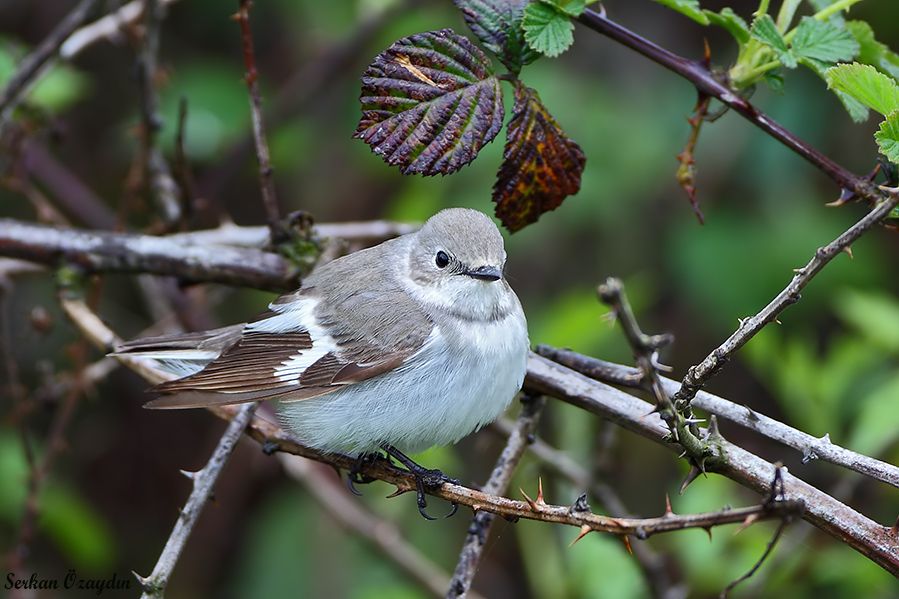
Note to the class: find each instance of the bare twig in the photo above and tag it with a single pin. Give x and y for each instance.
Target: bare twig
(699, 374)
(31, 68)
(768, 549)
(155, 167)
(521, 435)
(266, 183)
(810, 446)
(108, 27)
(203, 481)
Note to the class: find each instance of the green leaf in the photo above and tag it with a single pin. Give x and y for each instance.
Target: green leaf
(875, 428)
(732, 22)
(874, 315)
(541, 165)
(688, 8)
(871, 51)
(429, 103)
(59, 88)
(822, 41)
(866, 84)
(497, 23)
(858, 112)
(546, 29)
(572, 8)
(765, 31)
(887, 137)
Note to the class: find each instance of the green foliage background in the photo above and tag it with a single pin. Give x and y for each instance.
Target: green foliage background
(832, 368)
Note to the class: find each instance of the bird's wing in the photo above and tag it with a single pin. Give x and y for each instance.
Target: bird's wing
(297, 352)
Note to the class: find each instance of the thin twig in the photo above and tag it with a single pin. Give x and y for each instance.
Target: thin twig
(521, 435)
(768, 549)
(698, 73)
(699, 374)
(155, 167)
(266, 183)
(108, 27)
(39, 60)
(811, 447)
(203, 481)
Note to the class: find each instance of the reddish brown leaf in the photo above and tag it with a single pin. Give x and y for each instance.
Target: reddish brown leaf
(541, 166)
(429, 103)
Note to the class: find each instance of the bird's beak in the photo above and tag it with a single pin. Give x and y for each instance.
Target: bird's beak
(485, 273)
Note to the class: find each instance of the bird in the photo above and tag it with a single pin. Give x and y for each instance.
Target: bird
(412, 343)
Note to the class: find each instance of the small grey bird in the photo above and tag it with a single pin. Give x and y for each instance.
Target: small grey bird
(412, 343)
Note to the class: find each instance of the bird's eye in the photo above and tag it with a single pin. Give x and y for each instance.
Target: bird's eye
(442, 259)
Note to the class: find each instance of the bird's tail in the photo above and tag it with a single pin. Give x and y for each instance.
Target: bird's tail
(182, 354)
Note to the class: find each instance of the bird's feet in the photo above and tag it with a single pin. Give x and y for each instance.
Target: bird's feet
(425, 478)
(355, 477)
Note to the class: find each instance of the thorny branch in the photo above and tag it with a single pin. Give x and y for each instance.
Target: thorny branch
(203, 481)
(699, 374)
(266, 183)
(811, 447)
(273, 438)
(521, 435)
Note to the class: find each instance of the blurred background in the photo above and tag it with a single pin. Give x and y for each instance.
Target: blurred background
(114, 492)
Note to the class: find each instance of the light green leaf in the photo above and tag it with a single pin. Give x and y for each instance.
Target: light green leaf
(60, 87)
(572, 8)
(546, 29)
(866, 84)
(822, 41)
(732, 22)
(887, 137)
(765, 31)
(688, 8)
(858, 112)
(871, 51)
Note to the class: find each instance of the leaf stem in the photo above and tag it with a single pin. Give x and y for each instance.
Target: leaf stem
(834, 8)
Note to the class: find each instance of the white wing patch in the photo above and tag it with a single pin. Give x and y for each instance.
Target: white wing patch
(293, 317)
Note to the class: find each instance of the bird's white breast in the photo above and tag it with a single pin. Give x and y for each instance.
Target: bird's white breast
(462, 378)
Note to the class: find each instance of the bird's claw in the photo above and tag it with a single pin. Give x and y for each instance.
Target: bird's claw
(425, 478)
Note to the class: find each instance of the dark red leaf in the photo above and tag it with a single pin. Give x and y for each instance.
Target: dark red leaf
(541, 166)
(429, 103)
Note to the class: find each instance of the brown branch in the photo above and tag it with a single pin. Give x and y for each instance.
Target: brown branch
(40, 60)
(698, 73)
(521, 435)
(651, 563)
(699, 374)
(271, 437)
(810, 446)
(823, 511)
(266, 183)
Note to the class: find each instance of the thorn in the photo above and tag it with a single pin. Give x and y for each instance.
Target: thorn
(708, 531)
(713, 427)
(627, 544)
(531, 502)
(692, 475)
(707, 53)
(142, 581)
(585, 530)
(668, 511)
(751, 414)
(889, 190)
(695, 420)
(399, 491)
(845, 196)
(848, 251)
(826, 438)
(749, 521)
(536, 504)
(540, 500)
(777, 321)
(683, 454)
(610, 317)
(188, 474)
(742, 321)
(799, 271)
